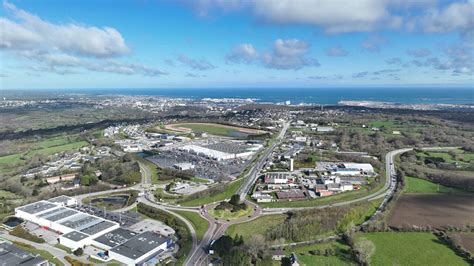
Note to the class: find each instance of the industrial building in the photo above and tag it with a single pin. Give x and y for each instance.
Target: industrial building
(223, 150)
(78, 229)
(141, 249)
(12, 255)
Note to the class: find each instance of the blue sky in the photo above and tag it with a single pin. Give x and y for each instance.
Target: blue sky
(235, 43)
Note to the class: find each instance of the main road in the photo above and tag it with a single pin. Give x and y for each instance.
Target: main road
(217, 228)
(257, 166)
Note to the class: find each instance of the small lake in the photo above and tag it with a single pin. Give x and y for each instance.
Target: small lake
(13, 221)
(118, 201)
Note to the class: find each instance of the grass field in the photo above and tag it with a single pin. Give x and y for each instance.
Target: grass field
(60, 148)
(257, 226)
(231, 190)
(461, 157)
(418, 185)
(385, 124)
(304, 256)
(410, 249)
(227, 214)
(45, 147)
(200, 224)
(10, 159)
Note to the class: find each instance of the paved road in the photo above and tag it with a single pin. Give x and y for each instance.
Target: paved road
(253, 173)
(186, 222)
(198, 253)
(216, 229)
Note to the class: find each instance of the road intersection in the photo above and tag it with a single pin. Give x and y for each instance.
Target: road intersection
(217, 227)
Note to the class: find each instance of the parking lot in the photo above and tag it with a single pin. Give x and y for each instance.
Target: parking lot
(125, 219)
(204, 168)
(152, 225)
(49, 236)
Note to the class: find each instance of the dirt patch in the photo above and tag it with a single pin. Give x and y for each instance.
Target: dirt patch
(465, 240)
(435, 210)
(178, 128)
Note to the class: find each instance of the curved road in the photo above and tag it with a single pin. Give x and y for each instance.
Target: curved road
(217, 228)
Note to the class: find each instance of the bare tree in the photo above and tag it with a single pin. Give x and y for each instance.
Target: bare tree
(364, 249)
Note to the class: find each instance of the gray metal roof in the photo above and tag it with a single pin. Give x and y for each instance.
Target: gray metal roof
(139, 245)
(60, 199)
(116, 237)
(12, 255)
(96, 228)
(75, 236)
(38, 207)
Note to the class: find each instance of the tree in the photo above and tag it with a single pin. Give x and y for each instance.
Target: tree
(235, 199)
(256, 244)
(78, 252)
(223, 245)
(364, 249)
(236, 257)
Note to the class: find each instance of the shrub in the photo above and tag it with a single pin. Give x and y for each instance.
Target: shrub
(19, 231)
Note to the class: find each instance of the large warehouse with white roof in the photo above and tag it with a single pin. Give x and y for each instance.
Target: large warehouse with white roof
(78, 229)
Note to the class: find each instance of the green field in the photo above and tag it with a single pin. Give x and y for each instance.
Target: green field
(385, 124)
(231, 190)
(461, 157)
(257, 226)
(200, 224)
(10, 159)
(410, 249)
(418, 185)
(45, 147)
(60, 148)
(342, 257)
(227, 214)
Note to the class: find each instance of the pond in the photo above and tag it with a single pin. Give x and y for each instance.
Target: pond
(13, 221)
(118, 201)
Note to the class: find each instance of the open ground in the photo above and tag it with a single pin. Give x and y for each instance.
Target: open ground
(435, 210)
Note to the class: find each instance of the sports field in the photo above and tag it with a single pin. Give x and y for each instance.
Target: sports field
(213, 129)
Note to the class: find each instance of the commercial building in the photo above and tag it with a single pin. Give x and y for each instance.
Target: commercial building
(223, 150)
(365, 168)
(12, 255)
(261, 197)
(77, 228)
(278, 178)
(141, 249)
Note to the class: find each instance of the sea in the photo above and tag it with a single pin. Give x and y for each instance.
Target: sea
(327, 96)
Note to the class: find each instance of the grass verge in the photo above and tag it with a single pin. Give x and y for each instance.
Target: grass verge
(200, 224)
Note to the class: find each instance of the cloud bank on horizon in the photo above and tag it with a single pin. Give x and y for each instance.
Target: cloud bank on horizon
(237, 43)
